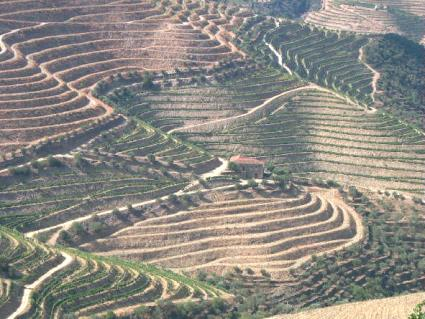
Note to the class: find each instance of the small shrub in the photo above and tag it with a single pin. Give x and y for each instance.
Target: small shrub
(332, 183)
(151, 158)
(252, 183)
(77, 228)
(249, 271)
(173, 198)
(418, 313)
(234, 167)
(265, 273)
(116, 213)
(237, 270)
(20, 171)
(53, 162)
(96, 227)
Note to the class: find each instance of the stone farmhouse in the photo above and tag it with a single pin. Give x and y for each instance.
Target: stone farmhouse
(249, 167)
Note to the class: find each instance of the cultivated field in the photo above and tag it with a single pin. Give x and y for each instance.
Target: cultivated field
(117, 119)
(389, 308)
(372, 16)
(257, 230)
(317, 134)
(329, 59)
(388, 262)
(52, 53)
(72, 187)
(52, 283)
(227, 94)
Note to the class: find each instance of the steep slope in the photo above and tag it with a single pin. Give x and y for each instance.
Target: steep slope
(406, 17)
(52, 283)
(257, 230)
(49, 66)
(317, 134)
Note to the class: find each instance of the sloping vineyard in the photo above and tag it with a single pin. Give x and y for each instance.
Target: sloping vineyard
(56, 51)
(406, 17)
(317, 134)
(229, 91)
(117, 119)
(388, 262)
(329, 59)
(83, 284)
(253, 230)
(58, 190)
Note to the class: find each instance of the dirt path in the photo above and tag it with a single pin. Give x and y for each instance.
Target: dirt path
(274, 50)
(253, 110)
(376, 74)
(26, 297)
(333, 197)
(217, 171)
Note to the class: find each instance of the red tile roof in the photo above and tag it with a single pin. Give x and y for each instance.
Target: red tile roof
(245, 160)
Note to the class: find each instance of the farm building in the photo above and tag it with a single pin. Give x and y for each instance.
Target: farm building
(248, 167)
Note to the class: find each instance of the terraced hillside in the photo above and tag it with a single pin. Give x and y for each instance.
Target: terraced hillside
(221, 95)
(406, 17)
(52, 53)
(318, 135)
(396, 308)
(116, 122)
(327, 58)
(390, 261)
(43, 282)
(264, 230)
(59, 190)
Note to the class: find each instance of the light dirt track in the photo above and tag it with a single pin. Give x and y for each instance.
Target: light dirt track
(376, 74)
(26, 297)
(276, 52)
(389, 308)
(229, 120)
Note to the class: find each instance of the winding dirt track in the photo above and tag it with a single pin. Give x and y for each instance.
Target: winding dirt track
(26, 297)
(231, 119)
(376, 74)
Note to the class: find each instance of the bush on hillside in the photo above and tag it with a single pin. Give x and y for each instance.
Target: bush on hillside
(418, 313)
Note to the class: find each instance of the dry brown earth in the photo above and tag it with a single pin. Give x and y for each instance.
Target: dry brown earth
(53, 52)
(388, 308)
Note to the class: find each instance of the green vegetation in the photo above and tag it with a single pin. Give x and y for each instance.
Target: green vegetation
(318, 135)
(71, 189)
(88, 284)
(282, 8)
(145, 135)
(216, 308)
(412, 25)
(418, 313)
(401, 64)
(301, 101)
(329, 59)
